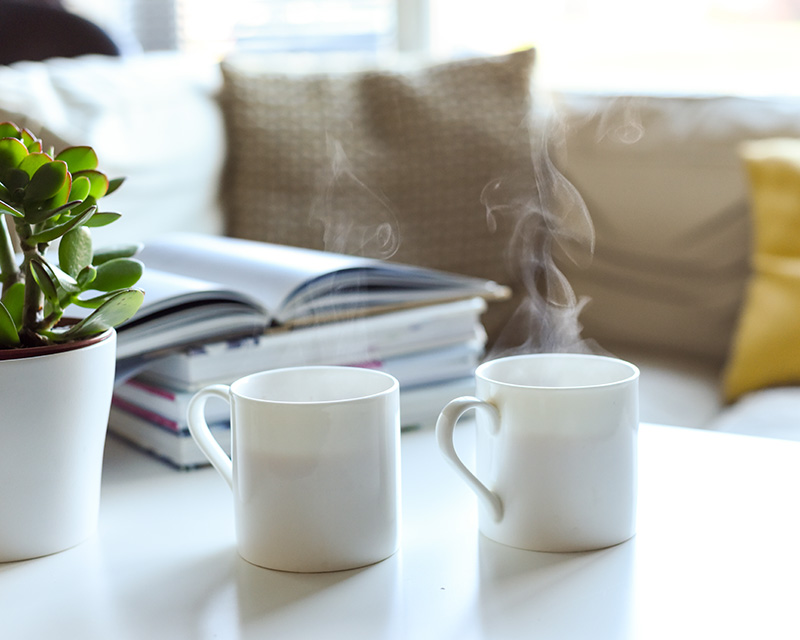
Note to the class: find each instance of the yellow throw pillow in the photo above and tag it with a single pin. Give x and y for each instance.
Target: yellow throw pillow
(766, 346)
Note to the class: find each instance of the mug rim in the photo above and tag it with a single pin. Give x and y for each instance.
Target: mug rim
(480, 372)
(241, 382)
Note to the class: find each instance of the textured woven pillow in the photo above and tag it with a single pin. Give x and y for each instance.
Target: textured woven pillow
(766, 346)
(382, 163)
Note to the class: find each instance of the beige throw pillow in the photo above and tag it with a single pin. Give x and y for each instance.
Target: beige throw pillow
(664, 184)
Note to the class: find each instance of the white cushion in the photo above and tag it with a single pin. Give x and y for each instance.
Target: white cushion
(152, 118)
(675, 390)
(771, 413)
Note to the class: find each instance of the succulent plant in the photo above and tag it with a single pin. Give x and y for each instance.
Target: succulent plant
(53, 198)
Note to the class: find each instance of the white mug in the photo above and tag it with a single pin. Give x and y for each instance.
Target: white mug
(556, 450)
(314, 466)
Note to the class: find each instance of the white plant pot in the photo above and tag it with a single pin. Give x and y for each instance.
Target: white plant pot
(52, 436)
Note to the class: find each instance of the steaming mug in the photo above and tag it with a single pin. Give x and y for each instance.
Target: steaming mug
(314, 466)
(556, 450)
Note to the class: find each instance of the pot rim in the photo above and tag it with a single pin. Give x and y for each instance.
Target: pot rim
(19, 353)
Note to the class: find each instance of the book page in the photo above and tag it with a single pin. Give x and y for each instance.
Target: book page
(270, 273)
(300, 286)
(164, 290)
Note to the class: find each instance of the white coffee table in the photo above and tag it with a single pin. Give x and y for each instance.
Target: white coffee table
(717, 555)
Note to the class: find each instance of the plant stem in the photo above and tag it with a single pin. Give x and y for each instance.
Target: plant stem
(34, 298)
(9, 272)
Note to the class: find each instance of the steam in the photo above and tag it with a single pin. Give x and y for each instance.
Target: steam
(368, 227)
(540, 210)
(546, 216)
(622, 121)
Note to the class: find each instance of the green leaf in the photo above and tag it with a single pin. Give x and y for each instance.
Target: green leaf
(9, 130)
(116, 251)
(75, 251)
(86, 277)
(61, 197)
(27, 136)
(114, 184)
(8, 331)
(7, 208)
(15, 179)
(118, 273)
(80, 188)
(56, 232)
(114, 311)
(33, 161)
(14, 301)
(98, 180)
(33, 144)
(94, 303)
(40, 215)
(84, 206)
(47, 181)
(46, 280)
(12, 152)
(66, 282)
(58, 287)
(79, 158)
(102, 218)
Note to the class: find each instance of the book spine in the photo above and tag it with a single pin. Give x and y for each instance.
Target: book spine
(176, 448)
(149, 415)
(158, 398)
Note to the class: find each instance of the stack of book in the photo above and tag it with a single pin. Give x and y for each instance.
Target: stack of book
(219, 308)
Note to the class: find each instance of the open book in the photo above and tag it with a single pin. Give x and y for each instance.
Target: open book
(200, 288)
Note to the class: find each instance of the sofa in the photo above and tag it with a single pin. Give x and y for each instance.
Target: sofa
(656, 228)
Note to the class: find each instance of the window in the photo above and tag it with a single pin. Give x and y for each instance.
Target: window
(265, 26)
(740, 46)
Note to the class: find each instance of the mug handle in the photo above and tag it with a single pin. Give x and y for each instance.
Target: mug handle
(444, 436)
(198, 427)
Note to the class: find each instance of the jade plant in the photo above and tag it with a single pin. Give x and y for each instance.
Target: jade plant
(52, 200)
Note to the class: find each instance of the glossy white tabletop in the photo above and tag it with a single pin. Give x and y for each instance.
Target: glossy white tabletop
(717, 555)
